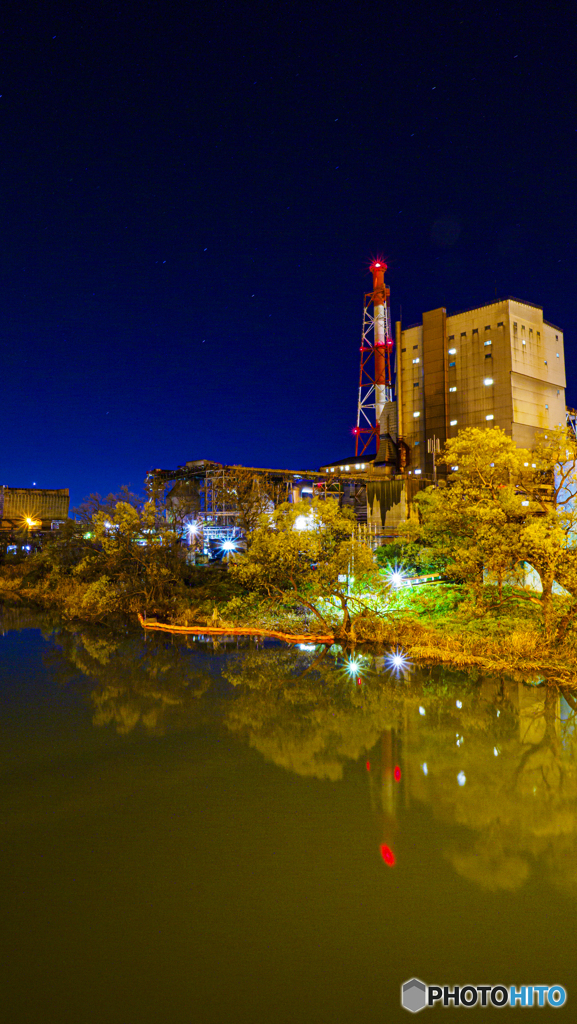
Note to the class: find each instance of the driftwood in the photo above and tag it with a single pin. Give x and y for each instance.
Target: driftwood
(291, 638)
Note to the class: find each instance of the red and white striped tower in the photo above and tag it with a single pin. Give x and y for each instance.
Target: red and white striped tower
(375, 382)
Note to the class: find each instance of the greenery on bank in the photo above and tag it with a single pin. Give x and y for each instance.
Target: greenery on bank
(504, 513)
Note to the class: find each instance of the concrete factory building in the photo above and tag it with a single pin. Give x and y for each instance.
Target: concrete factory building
(500, 364)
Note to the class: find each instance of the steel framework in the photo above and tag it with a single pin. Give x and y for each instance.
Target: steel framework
(375, 382)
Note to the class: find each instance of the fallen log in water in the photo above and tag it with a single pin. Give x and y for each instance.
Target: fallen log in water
(291, 638)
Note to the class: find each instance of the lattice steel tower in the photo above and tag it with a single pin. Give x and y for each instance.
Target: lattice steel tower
(375, 382)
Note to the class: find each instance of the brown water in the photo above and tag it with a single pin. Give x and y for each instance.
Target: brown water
(193, 834)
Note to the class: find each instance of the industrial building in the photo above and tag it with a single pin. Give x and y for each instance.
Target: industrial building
(32, 509)
(500, 364)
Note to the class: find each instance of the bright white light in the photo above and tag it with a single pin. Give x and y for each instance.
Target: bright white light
(307, 647)
(489, 417)
(452, 389)
(416, 415)
(498, 713)
(487, 343)
(454, 468)
(303, 522)
(459, 703)
(425, 769)
(228, 545)
(461, 778)
(488, 381)
(422, 711)
(496, 752)
(417, 360)
(397, 660)
(353, 667)
(395, 576)
(525, 503)
(193, 527)
(453, 423)
(417, 472)
(452, 351)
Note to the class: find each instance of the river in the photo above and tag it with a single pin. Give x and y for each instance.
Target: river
(199, 832)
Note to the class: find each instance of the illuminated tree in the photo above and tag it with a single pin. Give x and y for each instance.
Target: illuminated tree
(305, 554)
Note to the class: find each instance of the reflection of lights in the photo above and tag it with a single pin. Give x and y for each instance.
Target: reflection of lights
(461, 778)
(422, 711)
(459, 703)
(368, 766)
(397, 773)
(496, 752)
(498, 713)
(353, 667)
(397, 660)
(387, 855)
(424, 768)
(307, 647)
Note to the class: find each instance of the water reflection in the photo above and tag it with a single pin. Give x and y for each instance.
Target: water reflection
(491, 759)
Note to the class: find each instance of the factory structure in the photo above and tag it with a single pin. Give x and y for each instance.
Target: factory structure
(501, 364)
(29, 513)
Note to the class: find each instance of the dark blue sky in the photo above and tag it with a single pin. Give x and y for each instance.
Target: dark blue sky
(190, 198)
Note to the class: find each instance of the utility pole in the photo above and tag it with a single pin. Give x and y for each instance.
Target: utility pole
(434, 446)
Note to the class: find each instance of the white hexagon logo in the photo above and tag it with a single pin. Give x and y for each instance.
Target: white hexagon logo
(414, 995)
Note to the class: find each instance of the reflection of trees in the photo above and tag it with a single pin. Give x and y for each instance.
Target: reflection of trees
(310, 721)
(519, 798)
(152, 681)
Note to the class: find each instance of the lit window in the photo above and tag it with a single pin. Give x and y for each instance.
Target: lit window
(524, 502)
(488, 342)
(363, 465)
(454, 468)
(533, 465)
(452, 389)
(417, 360)
(524, 342)
(557, 355)
(546, 406)
(357, 466)
(452, 351)
(453, 423)
(342, 468)
(416, 415)
(417, 472)
(489, 417)
(347, 468)
(488, 381)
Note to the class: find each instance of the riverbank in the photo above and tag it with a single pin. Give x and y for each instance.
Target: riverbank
(435, 623)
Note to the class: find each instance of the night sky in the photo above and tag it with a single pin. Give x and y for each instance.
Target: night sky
(191, 195)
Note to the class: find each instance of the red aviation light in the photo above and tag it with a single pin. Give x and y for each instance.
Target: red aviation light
(397, 773)
(378, 264)
(387, 855)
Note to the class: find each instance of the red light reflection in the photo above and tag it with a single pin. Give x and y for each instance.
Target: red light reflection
(387, 855)
(397, 773)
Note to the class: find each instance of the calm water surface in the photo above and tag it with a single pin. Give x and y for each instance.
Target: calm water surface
(209, 834)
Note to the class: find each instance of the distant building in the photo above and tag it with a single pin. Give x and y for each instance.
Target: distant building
(500, 364)
(32, 509)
